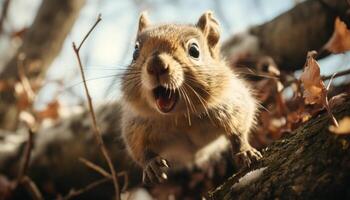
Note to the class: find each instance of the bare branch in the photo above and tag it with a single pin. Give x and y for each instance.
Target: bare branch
(5, 6)
(95, 167)
(326, 103)
(24, 180)
(324, 78)
(96, 131)
(103, 172)
(88, 33)
(338, 74)
(27, 154)
(32, 188)
(74, 193)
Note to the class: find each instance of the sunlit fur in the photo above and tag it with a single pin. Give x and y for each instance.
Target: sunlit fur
(213, 100)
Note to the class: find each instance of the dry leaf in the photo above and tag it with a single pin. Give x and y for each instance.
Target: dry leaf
(20, 33)
(314, 88)
(343, 128)
(315, 91)
(51, 111)
(340, 40)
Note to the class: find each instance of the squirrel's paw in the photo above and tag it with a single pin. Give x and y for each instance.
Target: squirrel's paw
(246, 157)
(155, 171)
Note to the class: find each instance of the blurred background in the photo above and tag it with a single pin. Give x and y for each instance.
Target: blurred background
(111, 44)
(110, 47)
(41, 87)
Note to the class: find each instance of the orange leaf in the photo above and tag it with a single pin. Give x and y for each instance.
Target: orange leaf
(340, 40)
(50, 112)
(314, 89)
(20, 33)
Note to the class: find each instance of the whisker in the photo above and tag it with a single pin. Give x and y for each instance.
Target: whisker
(192, 106)
(202, 89)
(202, 100)
(188, 112)
(237, 71)
(87, 80)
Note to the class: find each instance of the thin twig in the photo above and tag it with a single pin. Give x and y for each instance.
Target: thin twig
(32, 188)
(27, 154)
(88, 33)
(326, 103)
(24, 180)
(126, 180)
(104, 173)
(96, 131)
(324, 78)
(74, 193)
(98, 169)
(23, 78)
(329, 111)
(330, 81)
(95, 167)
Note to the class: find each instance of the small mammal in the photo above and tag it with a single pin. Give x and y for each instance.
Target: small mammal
(179, 97)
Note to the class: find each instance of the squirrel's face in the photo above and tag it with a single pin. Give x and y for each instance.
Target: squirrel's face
(175, 68)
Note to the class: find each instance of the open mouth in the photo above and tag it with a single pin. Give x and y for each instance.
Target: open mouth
(165, 98)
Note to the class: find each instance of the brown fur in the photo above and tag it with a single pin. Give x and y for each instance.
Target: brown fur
(216, 102)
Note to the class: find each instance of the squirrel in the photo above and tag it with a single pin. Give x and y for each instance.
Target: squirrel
(179, 97)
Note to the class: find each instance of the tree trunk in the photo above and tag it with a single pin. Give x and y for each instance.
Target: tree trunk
(41, 44)
(288, 37)
(311, 163)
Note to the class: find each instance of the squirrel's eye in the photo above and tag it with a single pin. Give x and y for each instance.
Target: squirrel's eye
(193, 50)
(136, 53)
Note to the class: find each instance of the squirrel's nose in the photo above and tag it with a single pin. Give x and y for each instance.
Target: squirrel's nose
(157, 67)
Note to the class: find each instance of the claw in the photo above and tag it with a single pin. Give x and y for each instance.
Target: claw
(245, 158)
(164, 176)
(165, 163)
(155, 171)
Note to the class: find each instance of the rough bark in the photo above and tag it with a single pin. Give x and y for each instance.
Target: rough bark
(288, 37)
(41, 44)
(311, 163)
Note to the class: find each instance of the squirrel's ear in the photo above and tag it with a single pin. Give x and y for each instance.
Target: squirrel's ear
(144, 22)
(210, 28)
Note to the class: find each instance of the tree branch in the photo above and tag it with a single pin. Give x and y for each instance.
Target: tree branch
(96, 131)
(5, 6)
(310, 163)
(74, 193)
(26, 157)
(287, 38)
(40, 46)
